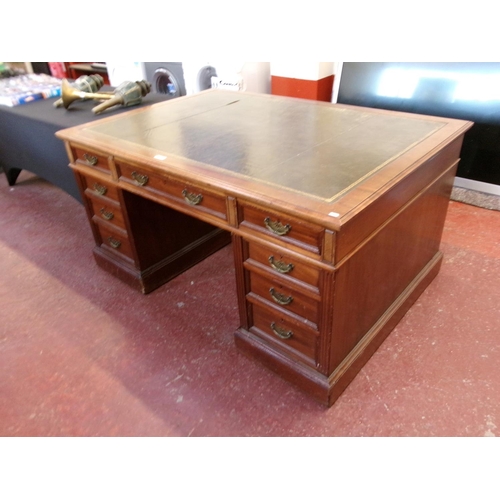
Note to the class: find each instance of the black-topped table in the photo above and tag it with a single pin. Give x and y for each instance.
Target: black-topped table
(27, 140)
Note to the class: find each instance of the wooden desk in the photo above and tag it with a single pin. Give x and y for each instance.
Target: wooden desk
(335, 214)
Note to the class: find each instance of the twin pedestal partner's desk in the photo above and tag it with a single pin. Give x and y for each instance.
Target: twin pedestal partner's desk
(335, 215)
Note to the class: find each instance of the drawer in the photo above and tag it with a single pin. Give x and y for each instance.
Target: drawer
(184, 193)
(280, 330)
(288, 229)
(91, 159)
(115, 240)
(283, 264)
(285, 297)
(106, 209)
(98, 187)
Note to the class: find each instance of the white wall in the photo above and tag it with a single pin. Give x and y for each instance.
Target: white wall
(120, 71)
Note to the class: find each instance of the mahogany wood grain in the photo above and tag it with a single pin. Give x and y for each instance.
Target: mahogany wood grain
(335, 214)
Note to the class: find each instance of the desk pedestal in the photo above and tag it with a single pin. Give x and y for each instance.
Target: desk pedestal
(143, 243)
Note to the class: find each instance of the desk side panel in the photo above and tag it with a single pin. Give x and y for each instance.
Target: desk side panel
(376, 275)
(367, 219)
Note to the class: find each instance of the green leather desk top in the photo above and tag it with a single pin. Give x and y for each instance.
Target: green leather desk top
(318, 150)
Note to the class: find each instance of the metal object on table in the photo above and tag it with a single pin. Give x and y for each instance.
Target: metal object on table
(126, 94)
(85, 83)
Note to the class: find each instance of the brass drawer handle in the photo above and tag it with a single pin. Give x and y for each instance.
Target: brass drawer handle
(114, 243)
(90, 159)
(282, 333)
(141, 179)
(100, 189)
(280, 298)
(277, 227)
(280, 266)
(191, 198)
(106, 215)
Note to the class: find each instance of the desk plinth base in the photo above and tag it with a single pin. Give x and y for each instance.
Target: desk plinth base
(327, 389)
(151, 278)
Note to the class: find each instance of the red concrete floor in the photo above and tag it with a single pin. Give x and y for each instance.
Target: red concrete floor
(82, 354)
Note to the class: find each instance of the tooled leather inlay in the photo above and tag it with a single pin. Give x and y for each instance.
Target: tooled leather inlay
(317, 150)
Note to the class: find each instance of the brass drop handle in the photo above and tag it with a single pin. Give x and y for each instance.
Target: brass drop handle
(140, 179)
(90, 159)
(280, 298)
(277, 227)
(114, 242)
(280, 266)
(282, 333)
(100, 189)
(191, 198)
(106, 214)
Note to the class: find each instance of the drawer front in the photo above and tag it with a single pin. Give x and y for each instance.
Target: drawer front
(184, 193)
(115, 240)
(281, 331)
(106, 209)
(98, 187)
(91, 159)
(287, 298)
(293, 231)
(283, 264)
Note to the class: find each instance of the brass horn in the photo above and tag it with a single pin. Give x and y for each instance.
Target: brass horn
(126, 94)
(85, 83)
(70, 94)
